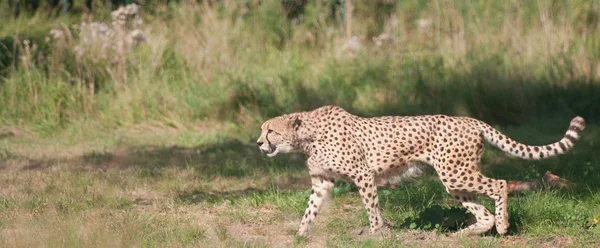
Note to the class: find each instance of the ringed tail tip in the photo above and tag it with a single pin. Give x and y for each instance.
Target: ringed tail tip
(578, 122)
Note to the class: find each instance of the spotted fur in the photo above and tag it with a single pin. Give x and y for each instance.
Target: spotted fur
(374, 151)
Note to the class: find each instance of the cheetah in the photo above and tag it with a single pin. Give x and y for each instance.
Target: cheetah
(375, 151)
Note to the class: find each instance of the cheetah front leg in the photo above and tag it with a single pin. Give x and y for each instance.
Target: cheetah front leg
(368, 193)
(320, 190)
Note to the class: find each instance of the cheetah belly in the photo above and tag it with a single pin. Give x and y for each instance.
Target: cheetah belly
(399, 175)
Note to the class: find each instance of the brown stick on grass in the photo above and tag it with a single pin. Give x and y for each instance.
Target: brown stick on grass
(548, 180)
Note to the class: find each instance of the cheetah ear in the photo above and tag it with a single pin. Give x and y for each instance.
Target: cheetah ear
(295, 122)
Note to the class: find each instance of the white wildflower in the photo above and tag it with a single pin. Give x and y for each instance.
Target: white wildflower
(137, 21)
(57, 34)
(384, 38)
(101, 41)
(424, 23)
(135, 37)
(352, 45)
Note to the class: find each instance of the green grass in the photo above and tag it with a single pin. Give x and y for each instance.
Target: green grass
(173, 194)
(157, 149)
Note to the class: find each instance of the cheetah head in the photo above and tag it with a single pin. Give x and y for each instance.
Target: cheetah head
(279, 135)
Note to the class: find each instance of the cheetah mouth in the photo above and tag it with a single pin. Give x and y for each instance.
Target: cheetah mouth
(273, 150)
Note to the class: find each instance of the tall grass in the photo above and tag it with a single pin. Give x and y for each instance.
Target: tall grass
(502, 61)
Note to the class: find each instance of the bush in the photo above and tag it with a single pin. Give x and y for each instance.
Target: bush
(245, 61)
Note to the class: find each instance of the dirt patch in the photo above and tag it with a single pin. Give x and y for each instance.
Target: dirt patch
(143, 196)
(263, 227)
(10, 132)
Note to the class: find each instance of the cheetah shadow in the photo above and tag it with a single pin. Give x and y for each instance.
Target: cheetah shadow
(227, 158)
(434, 209)
(450, 219)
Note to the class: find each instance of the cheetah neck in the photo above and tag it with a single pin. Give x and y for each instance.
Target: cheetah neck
(306, 133)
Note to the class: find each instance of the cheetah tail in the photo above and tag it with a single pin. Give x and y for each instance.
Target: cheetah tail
(534, 152)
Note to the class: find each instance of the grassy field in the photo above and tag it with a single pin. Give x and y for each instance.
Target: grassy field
(145, 136)
(152, 188)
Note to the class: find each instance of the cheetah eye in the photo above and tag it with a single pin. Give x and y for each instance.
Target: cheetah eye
(270, 131)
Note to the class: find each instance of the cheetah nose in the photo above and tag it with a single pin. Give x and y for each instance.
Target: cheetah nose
(259, 143)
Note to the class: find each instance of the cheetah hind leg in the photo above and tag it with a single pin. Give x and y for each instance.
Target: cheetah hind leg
(368, 192)
(485, 220)
(499, 193)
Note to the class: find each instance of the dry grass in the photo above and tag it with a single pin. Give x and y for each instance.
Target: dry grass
(200, 61)
(167, 193)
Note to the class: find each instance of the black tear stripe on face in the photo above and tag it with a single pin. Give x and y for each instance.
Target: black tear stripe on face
(267, 138)
(267, 135)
